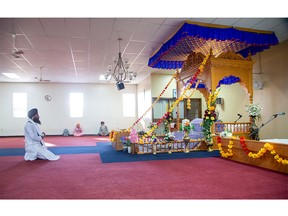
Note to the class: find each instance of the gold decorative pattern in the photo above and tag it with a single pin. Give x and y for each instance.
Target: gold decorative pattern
(230, 55)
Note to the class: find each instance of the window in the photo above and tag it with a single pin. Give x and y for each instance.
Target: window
(19, 105)
(129, 106)
(163, 105)
(76, 105)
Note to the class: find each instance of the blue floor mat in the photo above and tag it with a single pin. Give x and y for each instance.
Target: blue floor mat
(109, 155)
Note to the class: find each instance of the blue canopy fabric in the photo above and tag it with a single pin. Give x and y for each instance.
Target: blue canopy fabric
(193, 37)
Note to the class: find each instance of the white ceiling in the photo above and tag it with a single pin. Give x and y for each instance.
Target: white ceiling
(79, 50)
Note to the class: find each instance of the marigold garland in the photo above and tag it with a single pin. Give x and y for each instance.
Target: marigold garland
(262, 151)
(242, 143)
(259, 154)
(230, 146)
(113, 134)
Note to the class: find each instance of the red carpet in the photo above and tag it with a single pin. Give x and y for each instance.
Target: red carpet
(83, 176)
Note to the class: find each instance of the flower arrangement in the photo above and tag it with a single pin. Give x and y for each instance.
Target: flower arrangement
(154, 137)
(126, 141)
(253, 110)
(133, 136)
(151, 125)
(210, 115)
(226, 133)
(169, 137)
(185, 126)
(168, 118)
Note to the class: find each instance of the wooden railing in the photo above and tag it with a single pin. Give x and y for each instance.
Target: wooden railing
(238, 128)
(166, 147)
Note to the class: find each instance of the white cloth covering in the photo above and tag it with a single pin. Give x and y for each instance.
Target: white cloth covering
(34, 145)
(280, 141)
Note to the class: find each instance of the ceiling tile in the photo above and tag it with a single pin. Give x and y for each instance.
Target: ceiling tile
(54, 26)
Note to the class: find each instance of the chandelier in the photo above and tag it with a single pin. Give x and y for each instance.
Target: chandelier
(121, 71)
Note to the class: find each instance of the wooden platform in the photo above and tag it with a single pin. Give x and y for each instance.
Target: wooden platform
(266, 161)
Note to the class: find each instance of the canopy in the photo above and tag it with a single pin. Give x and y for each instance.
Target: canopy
(199, 38)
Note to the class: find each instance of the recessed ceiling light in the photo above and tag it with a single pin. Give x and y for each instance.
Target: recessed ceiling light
(11, 75)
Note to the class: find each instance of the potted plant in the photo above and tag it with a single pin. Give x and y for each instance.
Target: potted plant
(254, 113)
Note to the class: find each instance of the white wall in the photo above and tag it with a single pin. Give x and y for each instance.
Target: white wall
(104, 101)
(101, 102)
(272, 68)
(159, 82)
(235, 98)
(144, 104)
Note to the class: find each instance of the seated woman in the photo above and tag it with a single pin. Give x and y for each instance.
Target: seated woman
(78, 131)
(103, 130)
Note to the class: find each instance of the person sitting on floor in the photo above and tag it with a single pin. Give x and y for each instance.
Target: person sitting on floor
(103, 130)
(78, 131)
(35, 147)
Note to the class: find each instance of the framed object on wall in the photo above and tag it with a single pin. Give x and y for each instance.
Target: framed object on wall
(174, 93)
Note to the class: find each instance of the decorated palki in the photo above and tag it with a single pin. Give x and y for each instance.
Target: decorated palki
(188, 85)
(167, 118)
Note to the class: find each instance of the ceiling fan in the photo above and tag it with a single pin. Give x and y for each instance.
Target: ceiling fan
(40, 78)
(15, 52)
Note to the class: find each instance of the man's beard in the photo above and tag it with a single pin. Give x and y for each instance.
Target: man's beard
(36, 120)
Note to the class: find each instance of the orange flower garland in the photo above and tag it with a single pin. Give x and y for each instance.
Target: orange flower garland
(230, 146)
(259, 154)
(262, 151)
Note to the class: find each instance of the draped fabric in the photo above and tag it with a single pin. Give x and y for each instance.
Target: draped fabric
(228, 80)
(197, 38)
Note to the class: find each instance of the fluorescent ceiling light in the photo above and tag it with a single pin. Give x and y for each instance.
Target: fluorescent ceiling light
(11, 75)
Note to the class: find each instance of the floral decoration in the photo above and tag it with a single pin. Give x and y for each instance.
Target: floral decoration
(226, 133)
(189, 83)
(243, 145)
(210, 115)
(263, 150)
(157, 99)
(154, 138)
(230, 146)
(125, 140)
(168, 118)
(259, 154)
(114, 133)
(253, 110)
(185, 126)
(169, 137)
(133, 136)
